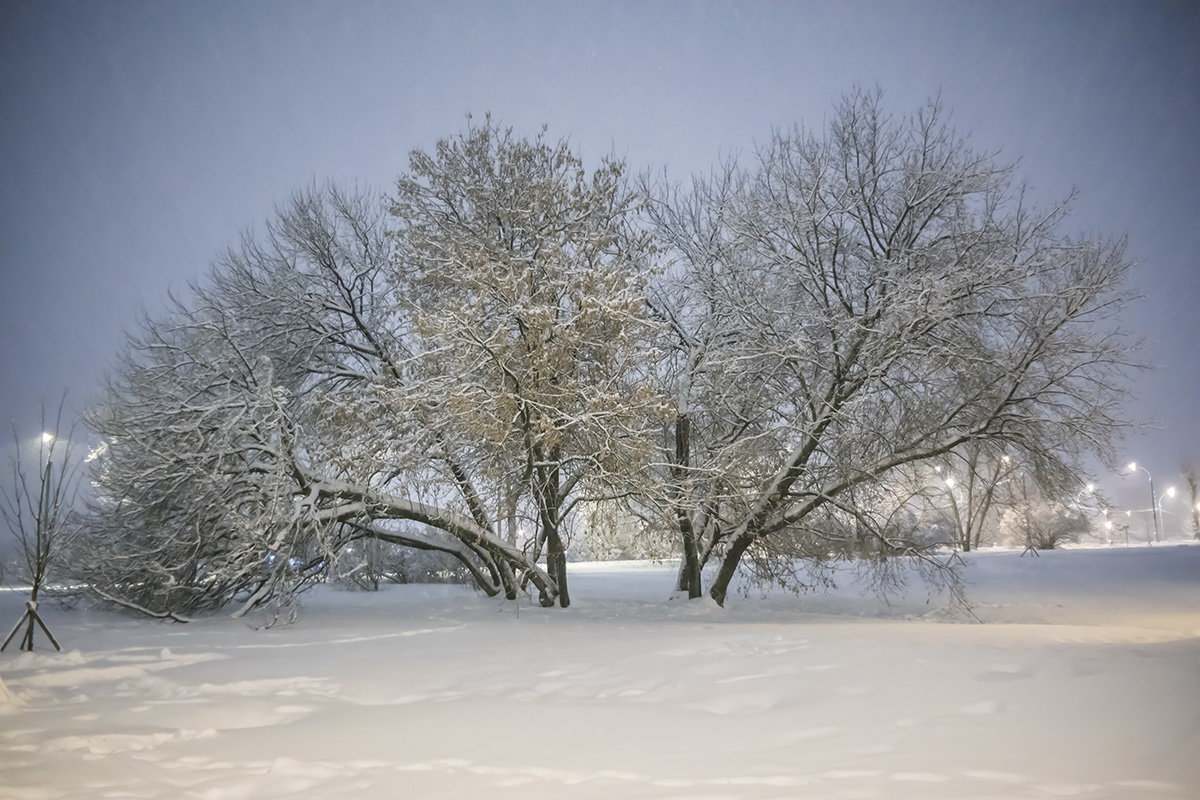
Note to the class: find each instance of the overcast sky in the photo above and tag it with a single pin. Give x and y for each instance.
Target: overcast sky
(139, 139)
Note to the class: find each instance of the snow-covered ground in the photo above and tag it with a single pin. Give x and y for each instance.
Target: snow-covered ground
(1083, 680)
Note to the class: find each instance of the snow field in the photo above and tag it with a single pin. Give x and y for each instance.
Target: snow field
(1083, 681)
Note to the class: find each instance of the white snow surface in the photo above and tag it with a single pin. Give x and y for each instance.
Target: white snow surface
(1081, 679)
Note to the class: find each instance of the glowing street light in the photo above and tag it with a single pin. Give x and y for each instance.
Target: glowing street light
(1169, 494)
(1133, 467)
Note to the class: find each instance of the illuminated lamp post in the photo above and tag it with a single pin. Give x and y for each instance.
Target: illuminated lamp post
(1169, 494)
(1133, 467)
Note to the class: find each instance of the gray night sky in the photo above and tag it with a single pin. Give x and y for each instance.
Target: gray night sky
(138, 139)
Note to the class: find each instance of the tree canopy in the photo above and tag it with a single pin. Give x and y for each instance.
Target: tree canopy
(510, 345)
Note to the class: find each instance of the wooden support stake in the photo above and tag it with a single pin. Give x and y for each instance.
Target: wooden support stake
(13, 632)
(32, 615)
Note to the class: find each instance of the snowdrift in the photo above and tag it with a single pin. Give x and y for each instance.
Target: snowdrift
(1081, 678)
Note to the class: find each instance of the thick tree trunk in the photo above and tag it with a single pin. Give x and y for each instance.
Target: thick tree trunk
(689, 569)
(491, 565)
(729, 565)
(508, 580)
(556, 553)
(556, 565)
(510, 516)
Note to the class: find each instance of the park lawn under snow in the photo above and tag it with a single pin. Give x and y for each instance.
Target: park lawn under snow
(1083, 680)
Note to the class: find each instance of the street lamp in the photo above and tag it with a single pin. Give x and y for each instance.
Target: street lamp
(1133, 467)
(1169, 494)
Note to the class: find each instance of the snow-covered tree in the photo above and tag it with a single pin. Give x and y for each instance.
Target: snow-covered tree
(1191, 477)
(506, 349)
(867, 297)
(977, 485)
(524, 277)
(1036, 521)
(252, 432)
(472, 355)
(709, 372)
(37, 506)
(973, 480)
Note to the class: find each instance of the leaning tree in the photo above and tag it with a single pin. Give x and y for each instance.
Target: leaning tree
(861, 299)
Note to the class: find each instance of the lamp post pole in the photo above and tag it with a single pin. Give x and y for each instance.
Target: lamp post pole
(1133, 467)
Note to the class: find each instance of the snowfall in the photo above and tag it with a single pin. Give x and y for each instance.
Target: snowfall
(1075, 674)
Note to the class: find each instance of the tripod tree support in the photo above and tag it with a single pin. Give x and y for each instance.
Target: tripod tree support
(31, 615)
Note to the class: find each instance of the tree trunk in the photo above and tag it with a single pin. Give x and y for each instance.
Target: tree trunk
(556, 553)
(556, 565)
(729, 565)
(689, 569)
(27, 639)
(507, 580)
(510, 517)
